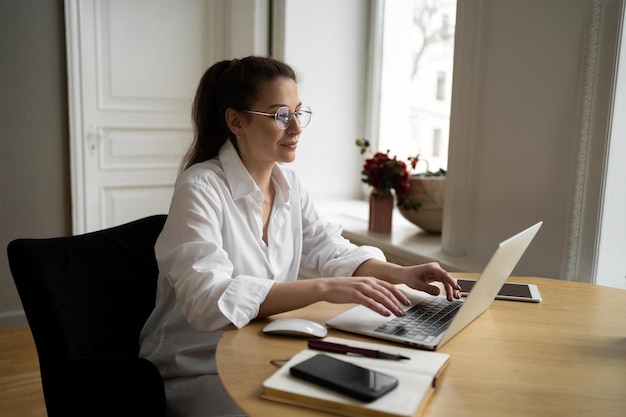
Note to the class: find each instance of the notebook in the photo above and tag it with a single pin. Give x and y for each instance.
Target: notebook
(449, 317)
(417, 376)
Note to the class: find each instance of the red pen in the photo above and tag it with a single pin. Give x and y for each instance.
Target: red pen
(345, 349)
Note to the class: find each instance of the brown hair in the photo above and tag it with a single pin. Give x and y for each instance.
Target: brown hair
(227, 84)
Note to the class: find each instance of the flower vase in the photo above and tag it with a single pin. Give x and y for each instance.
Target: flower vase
(381, 210)
(429, 192)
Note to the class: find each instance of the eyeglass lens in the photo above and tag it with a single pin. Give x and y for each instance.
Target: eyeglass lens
(284, 116)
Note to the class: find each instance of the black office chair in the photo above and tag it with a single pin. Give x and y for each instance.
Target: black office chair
(86, 299)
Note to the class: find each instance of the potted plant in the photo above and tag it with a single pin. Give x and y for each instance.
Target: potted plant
(419, 196)
(427, 189)
(384, 174)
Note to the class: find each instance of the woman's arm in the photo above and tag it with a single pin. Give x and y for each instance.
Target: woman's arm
(378, 295)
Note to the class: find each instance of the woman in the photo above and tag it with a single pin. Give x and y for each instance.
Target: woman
(239, 228)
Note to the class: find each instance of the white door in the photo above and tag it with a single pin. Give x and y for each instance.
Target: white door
(133, 68)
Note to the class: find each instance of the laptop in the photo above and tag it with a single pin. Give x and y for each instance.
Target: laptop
(436, 319)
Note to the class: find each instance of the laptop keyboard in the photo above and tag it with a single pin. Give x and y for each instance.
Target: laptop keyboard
(424, 321)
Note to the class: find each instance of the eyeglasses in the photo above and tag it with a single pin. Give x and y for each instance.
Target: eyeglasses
(284, 116)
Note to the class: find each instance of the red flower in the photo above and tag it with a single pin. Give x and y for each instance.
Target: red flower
(385, 173)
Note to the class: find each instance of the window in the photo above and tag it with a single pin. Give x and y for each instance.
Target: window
(417, 50)
(436, 142)
(445, 27)
(441, 85)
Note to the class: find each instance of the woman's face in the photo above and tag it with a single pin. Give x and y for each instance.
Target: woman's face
(260, 141)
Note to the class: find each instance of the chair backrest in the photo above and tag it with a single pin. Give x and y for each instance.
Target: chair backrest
(90, 294)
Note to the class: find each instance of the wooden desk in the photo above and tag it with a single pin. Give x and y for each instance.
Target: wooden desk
(563, 357)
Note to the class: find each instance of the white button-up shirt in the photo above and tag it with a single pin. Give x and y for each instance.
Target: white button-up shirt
(214, 267)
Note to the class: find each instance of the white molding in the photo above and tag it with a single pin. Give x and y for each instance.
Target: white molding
(247, 27)
(262, 27)
(141, 148)
(277, 30)
(598, 75)
(75, 119)
(571, 264)
(217, 29)
(457, 219)
(373, 80)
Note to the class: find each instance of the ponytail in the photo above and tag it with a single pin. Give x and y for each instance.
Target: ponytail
(227, 84)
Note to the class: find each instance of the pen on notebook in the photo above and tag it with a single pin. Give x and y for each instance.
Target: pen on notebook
(345, 349)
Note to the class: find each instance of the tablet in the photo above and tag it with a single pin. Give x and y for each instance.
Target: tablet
(509, 291)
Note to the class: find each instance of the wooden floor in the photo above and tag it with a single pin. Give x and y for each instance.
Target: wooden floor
(20, 382)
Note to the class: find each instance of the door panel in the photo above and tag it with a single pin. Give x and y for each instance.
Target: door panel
(124, 203)
(151, 53)
(145, 148)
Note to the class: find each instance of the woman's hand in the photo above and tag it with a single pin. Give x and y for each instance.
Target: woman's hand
(375, 294)
(420, 277)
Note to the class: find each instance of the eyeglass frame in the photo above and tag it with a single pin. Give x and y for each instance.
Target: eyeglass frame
(305, 109)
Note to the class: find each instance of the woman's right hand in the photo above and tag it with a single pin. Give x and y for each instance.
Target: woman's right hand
(373, 293)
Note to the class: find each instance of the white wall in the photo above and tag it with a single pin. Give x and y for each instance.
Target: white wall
(326, 43)
(530, 112)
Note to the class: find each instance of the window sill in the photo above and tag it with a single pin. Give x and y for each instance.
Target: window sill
(407, 244)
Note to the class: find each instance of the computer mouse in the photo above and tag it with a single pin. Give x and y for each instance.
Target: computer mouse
(296, 327)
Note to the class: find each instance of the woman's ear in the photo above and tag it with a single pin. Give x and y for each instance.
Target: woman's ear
(234, 121)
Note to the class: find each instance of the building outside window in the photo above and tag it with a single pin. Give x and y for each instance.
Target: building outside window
(417, 39)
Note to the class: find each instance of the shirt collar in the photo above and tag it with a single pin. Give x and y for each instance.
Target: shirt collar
(239, 180)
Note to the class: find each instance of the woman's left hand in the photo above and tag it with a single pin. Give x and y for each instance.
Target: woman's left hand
(420, 277)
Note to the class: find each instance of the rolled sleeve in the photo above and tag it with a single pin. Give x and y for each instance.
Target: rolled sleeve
(240, 301)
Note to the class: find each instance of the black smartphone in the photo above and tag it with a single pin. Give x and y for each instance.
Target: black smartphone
(509, 291)
(355, 381)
